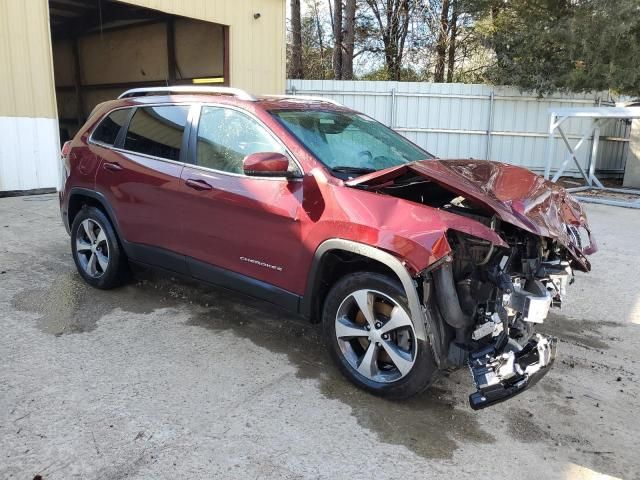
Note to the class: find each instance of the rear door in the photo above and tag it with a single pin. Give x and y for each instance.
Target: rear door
(140, 177)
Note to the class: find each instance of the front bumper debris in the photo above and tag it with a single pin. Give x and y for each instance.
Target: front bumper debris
(500, 375)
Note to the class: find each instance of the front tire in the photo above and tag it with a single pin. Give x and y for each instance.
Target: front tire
(96, 250)
(371, 336)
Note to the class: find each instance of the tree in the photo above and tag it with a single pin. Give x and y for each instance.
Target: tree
(337, 39)
(295, 63)
(349, 38)
(608, 60)
(453, 37)
(568, 45)
(392, 21)
(441, 47)
(316, 49)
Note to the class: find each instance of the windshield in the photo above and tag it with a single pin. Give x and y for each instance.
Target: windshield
(349, 142)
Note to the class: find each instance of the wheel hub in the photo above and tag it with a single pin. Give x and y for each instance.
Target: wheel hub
(376, 336)
(92, 248)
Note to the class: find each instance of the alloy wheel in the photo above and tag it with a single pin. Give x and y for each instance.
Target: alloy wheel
(92, 248)
(376, 336)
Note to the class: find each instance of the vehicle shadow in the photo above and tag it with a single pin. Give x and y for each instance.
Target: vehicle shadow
(431, 425)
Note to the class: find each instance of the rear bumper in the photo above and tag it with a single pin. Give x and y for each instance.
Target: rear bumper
(500, 375)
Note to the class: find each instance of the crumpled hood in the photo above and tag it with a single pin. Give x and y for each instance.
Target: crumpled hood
(516, 195)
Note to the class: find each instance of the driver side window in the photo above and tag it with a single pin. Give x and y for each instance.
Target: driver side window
(226, 136)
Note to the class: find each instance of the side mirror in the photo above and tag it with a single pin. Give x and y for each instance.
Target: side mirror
(267, 164)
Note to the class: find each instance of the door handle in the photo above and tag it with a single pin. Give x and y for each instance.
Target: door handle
(111, 166)
(198, 184)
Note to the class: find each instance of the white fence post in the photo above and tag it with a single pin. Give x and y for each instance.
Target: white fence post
(490, 126)
(392, 117)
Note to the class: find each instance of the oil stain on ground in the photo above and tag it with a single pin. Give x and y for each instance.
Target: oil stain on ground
(431, 425)
(69, 305)
(582, 333)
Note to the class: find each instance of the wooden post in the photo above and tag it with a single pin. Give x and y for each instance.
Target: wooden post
(171, 51)
(77, 82)
(226, 52)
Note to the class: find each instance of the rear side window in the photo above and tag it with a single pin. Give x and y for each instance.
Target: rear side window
(157, 131)
(108, 130)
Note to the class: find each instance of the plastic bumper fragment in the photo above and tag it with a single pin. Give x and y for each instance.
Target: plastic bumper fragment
(500, 375)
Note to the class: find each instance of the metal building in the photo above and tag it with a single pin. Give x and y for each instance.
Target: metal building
(59, 58)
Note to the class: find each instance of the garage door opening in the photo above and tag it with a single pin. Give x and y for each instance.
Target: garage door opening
(103, 47)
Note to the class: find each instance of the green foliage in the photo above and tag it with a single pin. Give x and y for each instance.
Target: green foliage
(607, 52)
(567, 45)
(407, 74)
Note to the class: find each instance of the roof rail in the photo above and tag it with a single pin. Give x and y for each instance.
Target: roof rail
(235, 92)
(306, 97)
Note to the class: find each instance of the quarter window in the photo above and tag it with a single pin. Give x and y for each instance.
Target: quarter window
(108, 130)
(157, 131)
(226, 136)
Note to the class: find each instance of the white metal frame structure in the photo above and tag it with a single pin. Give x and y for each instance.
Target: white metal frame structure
(599, 115)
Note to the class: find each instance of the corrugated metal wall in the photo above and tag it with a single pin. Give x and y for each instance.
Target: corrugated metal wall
(26, 68)
(480, 121)
(28, 126)
(29, 146)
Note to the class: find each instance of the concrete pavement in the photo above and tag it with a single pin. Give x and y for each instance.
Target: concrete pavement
(163, 379)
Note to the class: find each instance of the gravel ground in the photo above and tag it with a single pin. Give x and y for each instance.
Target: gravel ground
(164, 379)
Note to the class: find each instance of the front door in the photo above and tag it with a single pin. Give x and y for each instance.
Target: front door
(245, 225)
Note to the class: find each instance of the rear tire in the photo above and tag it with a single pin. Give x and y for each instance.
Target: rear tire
(96, 250)
(378, 350)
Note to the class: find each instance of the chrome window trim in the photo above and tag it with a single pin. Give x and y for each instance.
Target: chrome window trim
(240, 175)
(151, 157)
(101, 144)
(193, 165)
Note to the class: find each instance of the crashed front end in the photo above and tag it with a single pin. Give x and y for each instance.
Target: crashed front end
(514, 241)
(492, 298)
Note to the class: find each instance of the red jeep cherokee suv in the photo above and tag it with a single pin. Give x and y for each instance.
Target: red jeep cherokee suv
(414, 265)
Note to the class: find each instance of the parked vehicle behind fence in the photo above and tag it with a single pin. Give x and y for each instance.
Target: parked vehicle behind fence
(414, 265)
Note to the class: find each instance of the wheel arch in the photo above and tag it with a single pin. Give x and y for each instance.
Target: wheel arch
(78, 197)
(379, 260)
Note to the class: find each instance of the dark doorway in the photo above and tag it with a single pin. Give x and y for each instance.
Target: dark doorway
(103, 47)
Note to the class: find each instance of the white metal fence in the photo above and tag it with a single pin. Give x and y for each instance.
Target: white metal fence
(453, 120)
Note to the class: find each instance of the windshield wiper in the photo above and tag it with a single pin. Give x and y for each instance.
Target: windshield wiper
(347, 169)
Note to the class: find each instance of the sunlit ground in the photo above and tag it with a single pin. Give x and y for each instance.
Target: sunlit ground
(635, 312)
(578, 472)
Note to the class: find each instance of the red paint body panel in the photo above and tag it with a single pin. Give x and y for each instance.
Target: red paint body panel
(516, 195)
(244, 218)
(146, 197)
(265, 163)
(227, 220)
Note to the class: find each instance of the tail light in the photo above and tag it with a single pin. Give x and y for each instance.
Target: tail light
(66, 148)
(65, 168)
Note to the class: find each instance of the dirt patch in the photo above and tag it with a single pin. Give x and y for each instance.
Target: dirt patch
(432, 425)
(68, 305)
(572, 182)
(582, 333)
(522, 427)
(597, 193)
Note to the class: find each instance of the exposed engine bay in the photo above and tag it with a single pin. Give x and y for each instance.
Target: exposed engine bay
(489, 297)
